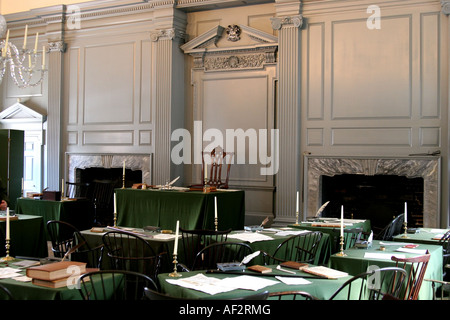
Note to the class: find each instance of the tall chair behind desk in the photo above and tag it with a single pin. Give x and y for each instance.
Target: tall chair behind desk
(66, 239)
(76, 190)
(102, 197)
(392, 229)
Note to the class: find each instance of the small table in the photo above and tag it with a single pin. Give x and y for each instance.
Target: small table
(79, 213)
(27, 235)
(194, 209)
(357, 261)
(424, 236)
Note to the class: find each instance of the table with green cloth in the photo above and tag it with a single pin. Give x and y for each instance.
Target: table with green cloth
(27, 237)
(269, 239)
(194, 209)
(424, 235)
(357, 260)
(79, 213)
(331, 227)
(321, 288)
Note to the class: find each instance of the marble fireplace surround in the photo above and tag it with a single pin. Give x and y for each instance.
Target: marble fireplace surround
(132, 161)
(427, 167)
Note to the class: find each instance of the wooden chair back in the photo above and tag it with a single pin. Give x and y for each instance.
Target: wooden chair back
(417, 267)
(77, 190)
(218, 166)
(220, 252)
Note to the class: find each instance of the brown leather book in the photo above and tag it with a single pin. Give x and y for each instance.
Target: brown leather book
(55, 270)
(260, 269)
(294, 265)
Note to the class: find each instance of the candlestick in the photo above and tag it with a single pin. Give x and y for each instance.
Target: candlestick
(406, 213)
(5, 48)
(342, 221)
(62, 188)
(175, 245)
(175, 273)
(341, 253)
(215, 213)
(22, 188)
(43, 57)
(297, 202)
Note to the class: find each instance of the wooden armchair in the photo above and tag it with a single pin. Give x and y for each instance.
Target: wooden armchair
(218, 166)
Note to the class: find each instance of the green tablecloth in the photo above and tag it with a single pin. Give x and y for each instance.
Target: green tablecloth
(328, 247)
(27, 237)
(194, 209)
(320, 288)
(424, 236)
(78, 213)
(269, 246)
(357, 262)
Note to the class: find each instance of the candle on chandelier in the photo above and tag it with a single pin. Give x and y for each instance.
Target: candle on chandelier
(5, 48)
(43, 57)
(36, 42)
(25, 37)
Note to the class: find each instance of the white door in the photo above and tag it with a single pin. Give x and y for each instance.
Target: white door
(32, 162)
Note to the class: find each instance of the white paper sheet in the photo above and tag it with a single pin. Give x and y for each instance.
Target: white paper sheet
(202, 283)
(247, 282)
(410, 250)
(291, 233)
(293, 280)
(383, 256)
(250, 237)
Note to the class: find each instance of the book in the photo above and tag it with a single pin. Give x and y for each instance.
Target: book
(56, 270)
(63, 282)
(325, 272)
(293, 265)
(260, 269)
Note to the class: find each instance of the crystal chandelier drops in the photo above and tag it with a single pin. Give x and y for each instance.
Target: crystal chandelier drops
(27, 67)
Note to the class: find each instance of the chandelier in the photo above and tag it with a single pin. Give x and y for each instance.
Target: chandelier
(26, 66)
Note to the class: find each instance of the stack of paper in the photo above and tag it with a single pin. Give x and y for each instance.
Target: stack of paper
(250, 237)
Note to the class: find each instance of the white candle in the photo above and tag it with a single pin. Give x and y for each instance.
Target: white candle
(62, 187)
(206, 171)
(36, 42)
(215, 207)
(43, 57)
(342, 221)
(297, 202)
(175, 245)
(25, 37)
(123, 167)
(7, 224)
(115, 203)
(406, 213)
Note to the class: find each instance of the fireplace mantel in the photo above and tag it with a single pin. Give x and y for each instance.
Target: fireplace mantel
(427, 167)
(132, 161)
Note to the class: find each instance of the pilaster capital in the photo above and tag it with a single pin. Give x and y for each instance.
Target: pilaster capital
(166, 34)
(279, 22)
(445, 4)
(57, 46)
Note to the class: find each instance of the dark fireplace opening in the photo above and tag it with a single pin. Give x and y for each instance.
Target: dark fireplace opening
(377, 198)
(104, 200)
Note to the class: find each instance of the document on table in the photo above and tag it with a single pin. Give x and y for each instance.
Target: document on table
(213, 285)
(9, 272)
(291, 233)
(383, 256)
(250, 236)
(293, 280)
(415, 251)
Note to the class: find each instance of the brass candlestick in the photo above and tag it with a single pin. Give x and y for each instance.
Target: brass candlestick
(341, 253)
(216, 223)
(405, 226)
(115, 219)
(123, 181)
(7, 258)
(205, 185)
(296, 219)
(175, 273)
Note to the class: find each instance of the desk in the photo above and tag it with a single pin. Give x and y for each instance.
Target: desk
(27, 237)
(333, 233)
(78, 213)
(195, 210)
(320, 288)
(269, 246)
(424, 236)
(355, 262)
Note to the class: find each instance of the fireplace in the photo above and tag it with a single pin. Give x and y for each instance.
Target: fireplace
(419, 175)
